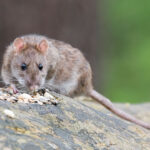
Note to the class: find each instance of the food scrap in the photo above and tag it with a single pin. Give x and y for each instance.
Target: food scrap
(40, 97)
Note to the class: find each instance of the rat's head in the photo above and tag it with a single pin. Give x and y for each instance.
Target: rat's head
(29, 64)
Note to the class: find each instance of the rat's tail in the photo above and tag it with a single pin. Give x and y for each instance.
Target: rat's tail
(109, 105)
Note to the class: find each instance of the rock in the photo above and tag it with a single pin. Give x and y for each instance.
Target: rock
(69, 125)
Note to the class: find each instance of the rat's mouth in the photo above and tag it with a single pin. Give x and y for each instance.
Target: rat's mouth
(34, 87)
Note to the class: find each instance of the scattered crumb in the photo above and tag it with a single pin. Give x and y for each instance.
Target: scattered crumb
(40, 97)
(24, 96)
(47, 95)
(9, 113)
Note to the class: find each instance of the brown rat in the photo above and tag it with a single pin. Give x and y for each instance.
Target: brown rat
(35, 61)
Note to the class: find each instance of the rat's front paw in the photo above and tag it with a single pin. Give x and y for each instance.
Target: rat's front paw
(15, 90)
(12, 89)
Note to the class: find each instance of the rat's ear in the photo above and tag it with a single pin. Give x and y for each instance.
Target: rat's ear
(19, 44)
(43, 46)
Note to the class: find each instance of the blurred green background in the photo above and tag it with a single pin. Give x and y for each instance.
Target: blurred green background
(127, 76)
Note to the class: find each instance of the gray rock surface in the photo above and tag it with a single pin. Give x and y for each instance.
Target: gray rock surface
(70, 125)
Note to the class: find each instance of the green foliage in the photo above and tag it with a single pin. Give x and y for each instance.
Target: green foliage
(128, 67)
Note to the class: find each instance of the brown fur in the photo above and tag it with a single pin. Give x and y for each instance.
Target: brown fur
(63, 63)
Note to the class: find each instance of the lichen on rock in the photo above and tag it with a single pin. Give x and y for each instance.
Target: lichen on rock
(69, 125)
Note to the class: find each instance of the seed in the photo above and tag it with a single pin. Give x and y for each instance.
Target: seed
(9, 113)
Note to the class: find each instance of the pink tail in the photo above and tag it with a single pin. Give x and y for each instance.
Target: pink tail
(108, 104)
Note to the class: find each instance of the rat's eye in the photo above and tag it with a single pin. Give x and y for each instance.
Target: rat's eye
(40, 66)
(23, 66)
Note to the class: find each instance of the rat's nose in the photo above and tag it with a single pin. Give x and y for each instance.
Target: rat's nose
(32, 84)
(33, 87)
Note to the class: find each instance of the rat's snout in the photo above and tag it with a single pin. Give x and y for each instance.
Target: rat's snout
(32, 84)
(33, 87)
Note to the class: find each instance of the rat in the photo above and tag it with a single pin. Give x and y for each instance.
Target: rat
(35, 61)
